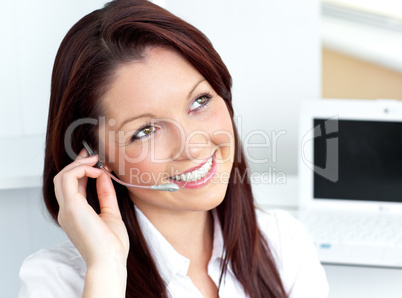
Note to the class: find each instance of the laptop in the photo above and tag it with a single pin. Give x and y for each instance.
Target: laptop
(350, 180)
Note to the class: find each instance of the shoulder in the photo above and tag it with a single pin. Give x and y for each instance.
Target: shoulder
(280, 227)
(53, 272)
(294, 253)
(284, 234)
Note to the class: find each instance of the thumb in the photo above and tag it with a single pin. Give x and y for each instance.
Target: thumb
(107, 195)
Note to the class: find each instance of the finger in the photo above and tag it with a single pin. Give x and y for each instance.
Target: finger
(82, 154)
(82, 186)
(89, 160)
(67, 185)
(107, 195)
(85, 160)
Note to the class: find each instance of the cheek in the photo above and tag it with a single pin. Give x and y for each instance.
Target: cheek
(221, 129)
(118, 151)
(145, 172)
(135, 165)
(222, 117)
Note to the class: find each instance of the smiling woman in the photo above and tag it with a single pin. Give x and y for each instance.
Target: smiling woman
(173, 93)
(160, 96)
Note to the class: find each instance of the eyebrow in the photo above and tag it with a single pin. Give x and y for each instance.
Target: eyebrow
(149, 115)
(195, 86)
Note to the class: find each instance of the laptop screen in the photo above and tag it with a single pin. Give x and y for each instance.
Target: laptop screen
(369, 166)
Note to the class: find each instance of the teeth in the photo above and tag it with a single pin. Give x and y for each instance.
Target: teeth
(195, 175)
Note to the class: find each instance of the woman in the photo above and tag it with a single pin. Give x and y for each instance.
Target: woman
(151, 95)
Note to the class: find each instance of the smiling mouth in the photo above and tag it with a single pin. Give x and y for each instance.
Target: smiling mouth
(195, 175)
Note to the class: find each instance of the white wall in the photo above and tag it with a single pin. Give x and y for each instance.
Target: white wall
(271, 48)
(31, 32)
(24, 229)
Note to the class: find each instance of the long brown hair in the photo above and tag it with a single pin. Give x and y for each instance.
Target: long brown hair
(87, 58)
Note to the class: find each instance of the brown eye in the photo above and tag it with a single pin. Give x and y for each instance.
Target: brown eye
(147, 130)
(144, 132)
(200, 102)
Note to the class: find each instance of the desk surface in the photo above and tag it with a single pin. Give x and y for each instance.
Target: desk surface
(367, 282)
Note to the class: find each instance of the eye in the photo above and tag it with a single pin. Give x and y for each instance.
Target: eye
(144, 132)
(201, 102)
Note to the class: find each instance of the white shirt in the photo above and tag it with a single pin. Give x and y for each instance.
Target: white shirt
(60, 271)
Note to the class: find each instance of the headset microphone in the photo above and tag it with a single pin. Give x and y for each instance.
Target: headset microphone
(161, 187)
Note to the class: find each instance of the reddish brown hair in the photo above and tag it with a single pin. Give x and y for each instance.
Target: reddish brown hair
(84, 67)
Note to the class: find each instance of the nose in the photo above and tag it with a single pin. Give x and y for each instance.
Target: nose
(196, 143)
(191, 142)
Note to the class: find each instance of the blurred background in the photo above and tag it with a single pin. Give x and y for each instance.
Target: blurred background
(279, 52)
(361, 49)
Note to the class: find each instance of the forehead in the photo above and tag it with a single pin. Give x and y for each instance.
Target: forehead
(162, 75)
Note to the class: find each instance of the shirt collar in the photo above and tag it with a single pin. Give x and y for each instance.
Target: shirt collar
(167, 259)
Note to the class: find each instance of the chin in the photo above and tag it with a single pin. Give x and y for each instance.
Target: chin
(211, 199)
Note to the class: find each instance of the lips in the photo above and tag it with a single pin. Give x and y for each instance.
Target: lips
(197, 176)
(197, 167)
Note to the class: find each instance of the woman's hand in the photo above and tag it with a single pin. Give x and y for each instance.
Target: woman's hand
(101, 239)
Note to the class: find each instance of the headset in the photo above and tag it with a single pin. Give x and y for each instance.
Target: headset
(161, 187)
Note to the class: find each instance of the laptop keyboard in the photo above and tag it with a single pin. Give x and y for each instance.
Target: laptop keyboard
(355, 238)
(326, 228)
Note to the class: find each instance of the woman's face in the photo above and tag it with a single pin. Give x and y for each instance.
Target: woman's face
(164, 119)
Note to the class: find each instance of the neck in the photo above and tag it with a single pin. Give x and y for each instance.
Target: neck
(189, 232)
